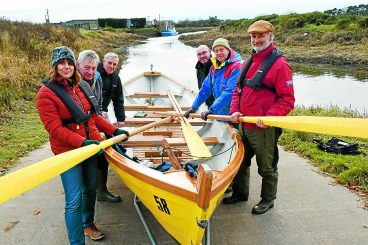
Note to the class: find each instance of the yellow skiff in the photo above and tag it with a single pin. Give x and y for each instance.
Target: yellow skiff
(182, 204)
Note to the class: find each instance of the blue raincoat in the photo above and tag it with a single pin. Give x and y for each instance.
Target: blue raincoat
(220, 82)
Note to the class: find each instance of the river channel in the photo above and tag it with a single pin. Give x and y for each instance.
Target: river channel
(177, 60)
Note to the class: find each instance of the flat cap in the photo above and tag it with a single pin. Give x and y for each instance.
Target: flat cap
(260, 26)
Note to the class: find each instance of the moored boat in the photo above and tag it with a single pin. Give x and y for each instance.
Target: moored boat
(168, 30)
(182, 201)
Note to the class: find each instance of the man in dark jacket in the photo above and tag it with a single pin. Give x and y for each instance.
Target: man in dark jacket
(111, 90)
(203, 68)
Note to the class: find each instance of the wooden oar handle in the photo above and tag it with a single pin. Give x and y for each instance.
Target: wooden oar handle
(194, 115)
(119, 138)
(209, 116)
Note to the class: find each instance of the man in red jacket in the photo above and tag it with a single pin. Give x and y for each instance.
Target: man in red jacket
(265, 88)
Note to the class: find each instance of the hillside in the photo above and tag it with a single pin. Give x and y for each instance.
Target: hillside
(315, 38)
(25, 55)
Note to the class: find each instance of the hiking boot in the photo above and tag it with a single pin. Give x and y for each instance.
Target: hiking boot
(262, 207)
(234, 199)
(104, 195)
(93, 232)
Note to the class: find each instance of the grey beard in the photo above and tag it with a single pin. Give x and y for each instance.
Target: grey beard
(258, 51)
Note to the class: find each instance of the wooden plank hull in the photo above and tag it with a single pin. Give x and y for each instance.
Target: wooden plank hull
(182, 204)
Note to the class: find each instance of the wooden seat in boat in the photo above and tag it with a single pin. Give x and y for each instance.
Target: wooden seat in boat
(156, 140)
(133, 122)
(136, 107)
(163, 133)
(150, 95)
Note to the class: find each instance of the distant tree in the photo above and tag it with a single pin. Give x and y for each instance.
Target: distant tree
(319, 18)
(342, 23)
(291, 21)
(360, 10)
(363, 22)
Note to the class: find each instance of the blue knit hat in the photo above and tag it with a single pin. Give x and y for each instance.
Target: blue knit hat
(61, 53)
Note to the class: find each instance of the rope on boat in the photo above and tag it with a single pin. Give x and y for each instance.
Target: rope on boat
(204, 158)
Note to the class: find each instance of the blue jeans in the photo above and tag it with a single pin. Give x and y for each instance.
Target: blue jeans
(79, 184)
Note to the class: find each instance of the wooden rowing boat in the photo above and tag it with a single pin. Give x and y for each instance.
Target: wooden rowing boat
(182, 204)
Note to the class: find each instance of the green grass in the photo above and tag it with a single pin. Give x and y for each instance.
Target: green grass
(320, 28)
(21, 131)
(348, 169)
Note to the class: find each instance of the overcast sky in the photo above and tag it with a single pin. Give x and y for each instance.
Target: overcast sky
(63, 10)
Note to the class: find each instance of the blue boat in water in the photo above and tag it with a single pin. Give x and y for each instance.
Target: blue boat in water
(169, 30)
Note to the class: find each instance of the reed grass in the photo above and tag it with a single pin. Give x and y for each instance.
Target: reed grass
(25, 56)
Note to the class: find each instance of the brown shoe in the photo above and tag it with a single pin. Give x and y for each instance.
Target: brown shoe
(93, 232)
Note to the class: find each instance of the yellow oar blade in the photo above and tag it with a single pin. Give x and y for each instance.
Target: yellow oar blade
(27, 178)
(353, 127)
(196, 146)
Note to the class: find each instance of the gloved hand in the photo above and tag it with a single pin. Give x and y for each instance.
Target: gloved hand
(120, 131)
(93, 142)
(191, 110)
(204, 114)
(90, 142)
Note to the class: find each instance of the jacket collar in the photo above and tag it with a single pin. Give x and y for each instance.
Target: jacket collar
(233, 56)
(204, 67)
(65, 82)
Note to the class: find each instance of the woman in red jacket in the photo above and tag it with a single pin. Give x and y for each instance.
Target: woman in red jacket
(67, 108)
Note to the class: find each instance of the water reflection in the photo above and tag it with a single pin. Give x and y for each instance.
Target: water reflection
(315, 70)
(313, 85)
(167, 55)
(326, 90)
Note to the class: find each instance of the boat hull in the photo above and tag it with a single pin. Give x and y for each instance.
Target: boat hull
(167, 33)
(180, 217)
(181, 203)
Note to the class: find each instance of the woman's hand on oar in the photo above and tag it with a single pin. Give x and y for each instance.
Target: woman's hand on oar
(120, 131)
(93, 142)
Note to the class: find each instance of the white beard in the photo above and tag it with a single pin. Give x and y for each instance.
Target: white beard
(260, 49)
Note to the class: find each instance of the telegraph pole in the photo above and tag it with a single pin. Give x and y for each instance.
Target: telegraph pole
(47, 17)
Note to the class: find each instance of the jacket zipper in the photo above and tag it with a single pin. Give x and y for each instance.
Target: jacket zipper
(80, 102)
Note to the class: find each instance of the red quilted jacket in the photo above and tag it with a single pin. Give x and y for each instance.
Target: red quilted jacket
(70, 136)
(278, 100)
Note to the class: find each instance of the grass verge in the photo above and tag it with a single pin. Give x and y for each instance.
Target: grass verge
(21, 131)
(349, 170)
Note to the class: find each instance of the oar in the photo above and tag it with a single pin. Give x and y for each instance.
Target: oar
(352, 127)
(28, 177)
(196, 146)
